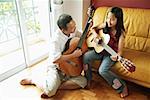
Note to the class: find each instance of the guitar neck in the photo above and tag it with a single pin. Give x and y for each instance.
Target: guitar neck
(110, 50)
(84, 33)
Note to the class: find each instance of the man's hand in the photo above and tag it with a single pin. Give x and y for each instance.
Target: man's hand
(77, 53)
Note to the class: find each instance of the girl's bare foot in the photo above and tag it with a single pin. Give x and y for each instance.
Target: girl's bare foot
(124, 92)
(26, 82)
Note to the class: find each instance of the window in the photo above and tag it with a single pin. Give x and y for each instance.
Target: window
(24, 34)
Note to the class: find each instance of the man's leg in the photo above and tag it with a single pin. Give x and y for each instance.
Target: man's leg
(26, 81)
(49, 84)
(74, 83)
(69, 85)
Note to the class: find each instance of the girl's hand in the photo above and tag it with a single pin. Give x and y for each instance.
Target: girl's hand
(114, 58)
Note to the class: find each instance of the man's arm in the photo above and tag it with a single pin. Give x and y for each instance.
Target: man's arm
(75, 54)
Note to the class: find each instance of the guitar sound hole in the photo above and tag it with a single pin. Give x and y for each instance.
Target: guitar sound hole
(100, 41)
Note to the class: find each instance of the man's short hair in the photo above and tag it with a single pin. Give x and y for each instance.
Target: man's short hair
(63, 20)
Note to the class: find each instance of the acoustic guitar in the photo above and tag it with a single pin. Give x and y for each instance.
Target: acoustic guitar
(74, 66)
(99, 43)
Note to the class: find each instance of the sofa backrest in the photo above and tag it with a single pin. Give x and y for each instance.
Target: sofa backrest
(137, 26)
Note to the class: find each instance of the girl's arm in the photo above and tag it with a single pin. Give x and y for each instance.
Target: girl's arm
(120, 47)
(121, 44)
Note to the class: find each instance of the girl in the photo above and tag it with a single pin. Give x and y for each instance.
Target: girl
(115, 28)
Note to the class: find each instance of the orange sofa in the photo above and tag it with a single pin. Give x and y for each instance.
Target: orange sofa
(137, 43)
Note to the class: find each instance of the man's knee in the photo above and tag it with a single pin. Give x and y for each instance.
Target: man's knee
(51, 92)
(51, 86)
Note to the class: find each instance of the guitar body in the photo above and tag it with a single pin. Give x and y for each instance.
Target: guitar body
(72, 67)
(92, 42)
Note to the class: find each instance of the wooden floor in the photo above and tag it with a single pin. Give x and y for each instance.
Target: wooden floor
(10, 89)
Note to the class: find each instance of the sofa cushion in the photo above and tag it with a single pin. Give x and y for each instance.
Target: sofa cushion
(136, 22)
(142, 62)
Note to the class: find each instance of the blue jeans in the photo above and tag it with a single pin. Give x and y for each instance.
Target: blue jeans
(104, 69)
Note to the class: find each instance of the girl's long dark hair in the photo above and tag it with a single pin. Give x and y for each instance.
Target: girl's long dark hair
(119, 15)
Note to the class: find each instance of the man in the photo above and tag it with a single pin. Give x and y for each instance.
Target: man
(55, 79)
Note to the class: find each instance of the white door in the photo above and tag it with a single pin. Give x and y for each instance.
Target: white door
(24, 34)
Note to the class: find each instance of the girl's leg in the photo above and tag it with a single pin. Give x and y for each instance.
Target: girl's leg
(110, 77)
(87, 59)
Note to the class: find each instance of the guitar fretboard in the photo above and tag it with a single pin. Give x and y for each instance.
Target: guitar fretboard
(84, 33)
(110, 50)
(127, 65)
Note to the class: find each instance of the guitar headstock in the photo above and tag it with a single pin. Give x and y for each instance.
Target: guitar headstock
(91, 11)
(127, 65)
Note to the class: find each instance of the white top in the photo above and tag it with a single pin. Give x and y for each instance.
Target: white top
(57, 44)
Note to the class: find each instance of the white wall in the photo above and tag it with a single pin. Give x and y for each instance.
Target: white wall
(75, 9)
(43, 8)
(57, 10)
(86, 4)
